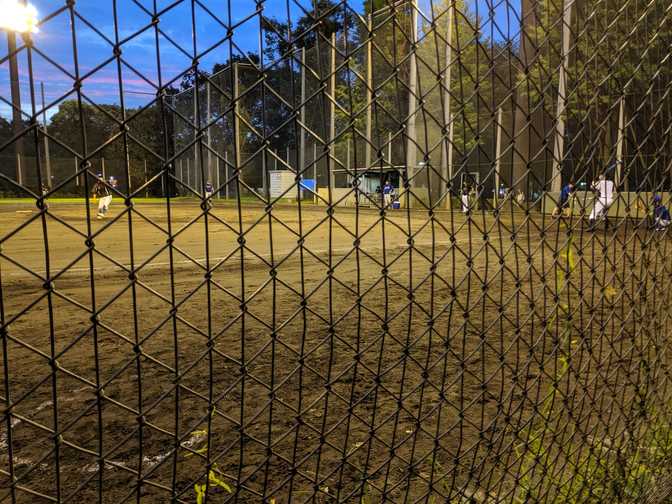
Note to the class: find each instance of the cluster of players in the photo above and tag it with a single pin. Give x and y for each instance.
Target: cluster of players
(603, 188)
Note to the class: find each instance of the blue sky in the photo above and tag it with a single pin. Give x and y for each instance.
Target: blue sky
(55, 40)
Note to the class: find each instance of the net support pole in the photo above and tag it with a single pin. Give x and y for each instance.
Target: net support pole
(369, 90)
(196, 126)
(447, 144)
(559, 144)
(302, 115)
(219, 193)
(498, 155)
(47, 158)
(264, 184)
(226, 174)
(76, 174)
(618, 178)
(102, 167)
(146, 187)
(389, 149)
(332, 112)
(315, 172)
(411, 154)
(209, 130)
(236, 121)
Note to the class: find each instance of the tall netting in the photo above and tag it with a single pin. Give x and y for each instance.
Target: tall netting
(331, 251)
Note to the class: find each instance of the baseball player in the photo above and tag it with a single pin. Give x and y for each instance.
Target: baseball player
(465, 198)
(209, 191)
(565, 195)
(604, 196)
(102, 192)
(388, 191)
(661, 215)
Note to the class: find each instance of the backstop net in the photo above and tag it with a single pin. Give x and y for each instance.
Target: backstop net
(336, 251)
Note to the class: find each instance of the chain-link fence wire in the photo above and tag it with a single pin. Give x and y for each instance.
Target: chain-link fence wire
(434, 318)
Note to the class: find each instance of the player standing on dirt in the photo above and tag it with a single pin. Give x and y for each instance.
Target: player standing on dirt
(564, 208)
(102, 192)
(604, 196)
(465, 198)
(209, 191)
(388, 191)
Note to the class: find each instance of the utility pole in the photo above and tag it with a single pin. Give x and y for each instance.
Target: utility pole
(559, 145)
(47, 158)
(447, 144)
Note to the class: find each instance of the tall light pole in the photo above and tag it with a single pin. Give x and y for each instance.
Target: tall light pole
(18, 17)
(16, 101)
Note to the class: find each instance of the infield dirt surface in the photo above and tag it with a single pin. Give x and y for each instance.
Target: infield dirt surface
(296, 352)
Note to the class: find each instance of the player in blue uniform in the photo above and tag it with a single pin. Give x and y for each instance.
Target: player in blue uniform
(661, 215)
(563, 207)
(388, 191)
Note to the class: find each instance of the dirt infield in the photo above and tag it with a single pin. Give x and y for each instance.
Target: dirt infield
(330, 353)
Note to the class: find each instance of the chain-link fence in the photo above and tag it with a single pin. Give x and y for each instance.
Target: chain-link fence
(364, 252)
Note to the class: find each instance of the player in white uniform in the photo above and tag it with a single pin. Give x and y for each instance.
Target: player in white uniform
(604, 196)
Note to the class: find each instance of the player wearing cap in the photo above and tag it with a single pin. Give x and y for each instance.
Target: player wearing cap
(102, 192)
(661, 215)
(604, 196)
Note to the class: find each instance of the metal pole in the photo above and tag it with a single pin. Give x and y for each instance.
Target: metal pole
(236, 121)
(411, 154)
(619, 145)
(451, 133)
(315, 172)
(447, 144)
(188, 174)
(263, 171)
(196, 125)
(389, 149)
(226, 174)
(209, 132)
(219, 195)
(16, 102)
(332, 111)
(559, 144)
(76, 175)
(102, 166)
(302, 114)
(369, 90)
(47, 158)
(146, 188)
(498, 154)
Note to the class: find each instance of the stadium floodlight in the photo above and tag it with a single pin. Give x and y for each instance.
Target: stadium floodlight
(18, 17)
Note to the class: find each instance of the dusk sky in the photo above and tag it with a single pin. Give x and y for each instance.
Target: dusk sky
(55, 40)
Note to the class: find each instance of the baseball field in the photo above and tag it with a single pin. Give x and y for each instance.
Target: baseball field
(294, 351)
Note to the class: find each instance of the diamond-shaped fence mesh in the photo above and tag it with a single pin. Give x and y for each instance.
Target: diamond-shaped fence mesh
(336, 251)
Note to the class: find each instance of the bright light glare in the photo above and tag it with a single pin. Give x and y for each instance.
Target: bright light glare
(17, 17)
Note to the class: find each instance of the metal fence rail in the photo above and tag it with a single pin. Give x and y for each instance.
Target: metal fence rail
(350, 254)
